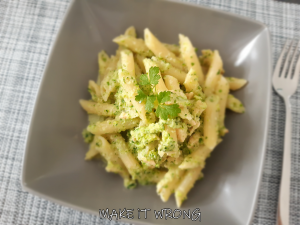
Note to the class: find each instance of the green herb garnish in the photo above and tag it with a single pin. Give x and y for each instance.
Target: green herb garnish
(163, 111)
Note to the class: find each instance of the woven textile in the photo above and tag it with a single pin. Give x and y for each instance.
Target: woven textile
(27, 30)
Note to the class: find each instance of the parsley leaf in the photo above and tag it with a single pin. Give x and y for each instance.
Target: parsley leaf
(153, 75)
(141, 96)
(163, 111)
(163, 97)
(144, 79)
(150, 103)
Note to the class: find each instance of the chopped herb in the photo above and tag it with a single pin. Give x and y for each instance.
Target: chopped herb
(141, 96)
(150, 103)
(163, 111)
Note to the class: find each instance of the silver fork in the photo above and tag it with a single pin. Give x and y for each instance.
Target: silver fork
(285, 86)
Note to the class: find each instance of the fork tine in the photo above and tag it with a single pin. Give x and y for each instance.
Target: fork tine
(293, 61)
(279, 61)
(297, 70)
(287, 60)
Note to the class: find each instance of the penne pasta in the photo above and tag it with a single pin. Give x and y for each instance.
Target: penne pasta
(130, 162)
(186, 184)
(166, 186)
(210, 127)
(167, 69)
(236, 83)
(213, 74)
(222, 91)
(161, 51)
(101, 109)
(92, 153)
(128, 82)
(109, 84)
(130, 31)
(196, 158)
(103, 60)
(173, 48)
(134, 44)
(234, 104)
(161, 85)
(114, 163)
(190, 58)
(139, 60)
(112, 126)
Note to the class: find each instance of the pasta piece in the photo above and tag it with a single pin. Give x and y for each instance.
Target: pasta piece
(196, 158)
(92, 153)
(109, 84)
(195, 125)
(149, 150)
(181, 134)
(101, 109)
(95, 91)
(236, 83)
(169, 144)
(195, 140)
(186, 184)
(156, 176)
(151, 176)
(172, 162)
(112, 126)
(134, 44)
(173, 48)
(173, 85)
(130, 31)
(161, 51)
(127, 63)
(190, 58)
(114, 163)
(139, 60)
(222, 91)
(234, 104)
(191, 83)
(110, 66)
(213, 74)
(128, 83)
(103, 60)
(168, 183)
(130, 162)
(184, 113)
(167, 69)
(198, 108)
(210, 128)
(138, 72)
(206, 59)
(161, 84)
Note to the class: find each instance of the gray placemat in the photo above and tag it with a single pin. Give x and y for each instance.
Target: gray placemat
(27, 30)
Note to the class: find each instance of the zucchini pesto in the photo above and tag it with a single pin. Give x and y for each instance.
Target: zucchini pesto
(157, 111)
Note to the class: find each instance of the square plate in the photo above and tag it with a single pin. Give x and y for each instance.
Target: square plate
(54, 166)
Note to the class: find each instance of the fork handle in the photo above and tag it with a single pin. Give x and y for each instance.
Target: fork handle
(284, 191)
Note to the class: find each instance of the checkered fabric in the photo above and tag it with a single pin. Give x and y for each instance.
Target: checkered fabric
(27, 30)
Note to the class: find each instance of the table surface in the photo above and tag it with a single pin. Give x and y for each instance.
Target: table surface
(27, 30)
